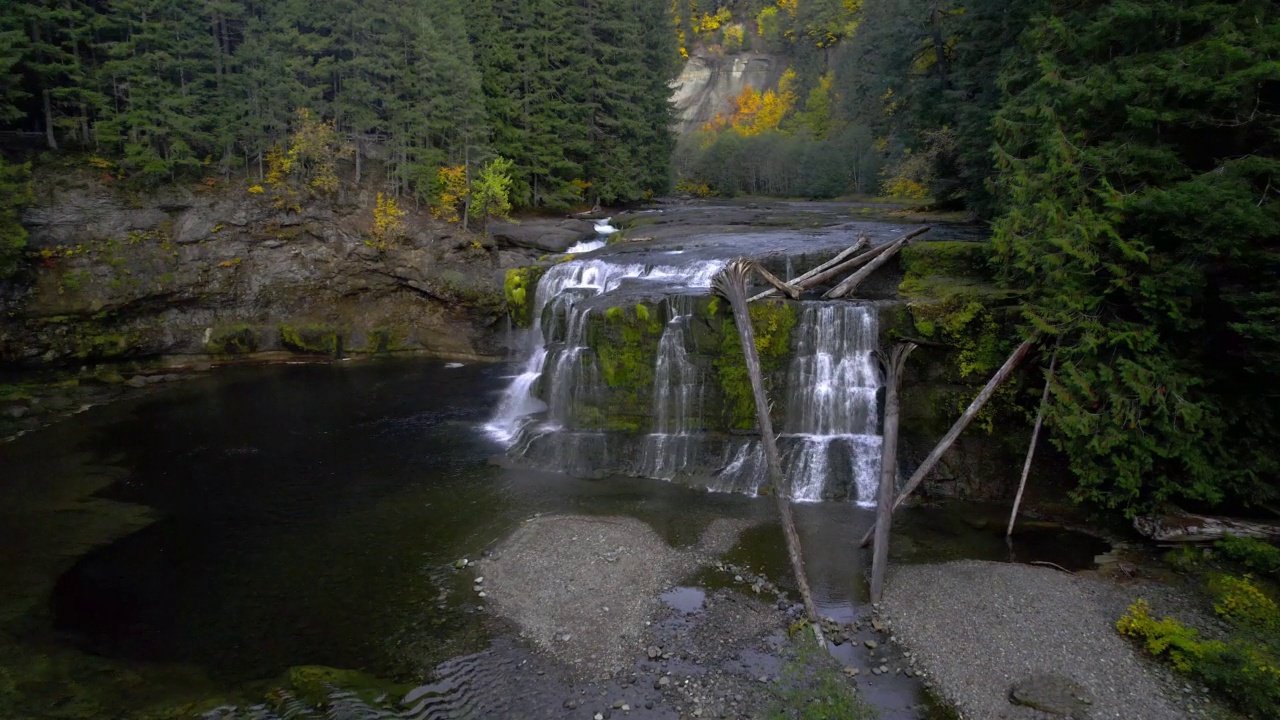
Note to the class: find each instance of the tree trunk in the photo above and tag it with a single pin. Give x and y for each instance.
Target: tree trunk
(857, 247)
(892, 368)
(1031, 449)
(852, 282)
(1177, 526)
(945, 444)
(778, 284)
(732, 284)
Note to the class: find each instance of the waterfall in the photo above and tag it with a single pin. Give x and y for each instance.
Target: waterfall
(677, 399)
(832, 415)
(561, 368)
(830, 426)
(554, 415)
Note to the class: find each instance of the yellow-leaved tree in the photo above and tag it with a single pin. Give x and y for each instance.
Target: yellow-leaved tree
(388, 223)
(451, 193)
(308, 163)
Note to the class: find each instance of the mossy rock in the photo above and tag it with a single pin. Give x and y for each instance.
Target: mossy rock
(103, 346)
(950, 258)
(626, 340)
(520, 289)
(382, 340)
(311, 339)
(233, 340)
(772, 322)
(313, 684)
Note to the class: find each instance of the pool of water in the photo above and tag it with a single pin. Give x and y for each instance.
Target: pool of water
(202, 541)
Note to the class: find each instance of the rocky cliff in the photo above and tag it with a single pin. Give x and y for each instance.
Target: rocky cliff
(217, 270)
(709, 81)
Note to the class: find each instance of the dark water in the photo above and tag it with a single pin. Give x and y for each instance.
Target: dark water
(203, 541)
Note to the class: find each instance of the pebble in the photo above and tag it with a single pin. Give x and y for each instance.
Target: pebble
(871, 644)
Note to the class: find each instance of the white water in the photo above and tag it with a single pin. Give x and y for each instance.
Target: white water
(562, 287)
(585, 246)
(677, 399)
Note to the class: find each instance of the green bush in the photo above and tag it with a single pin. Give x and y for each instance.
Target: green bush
(1254, 555)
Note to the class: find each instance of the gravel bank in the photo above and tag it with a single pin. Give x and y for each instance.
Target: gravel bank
(980, 627)
(581, 588)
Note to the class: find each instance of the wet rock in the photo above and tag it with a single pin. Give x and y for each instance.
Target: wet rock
(16, 412)
(1053, 694)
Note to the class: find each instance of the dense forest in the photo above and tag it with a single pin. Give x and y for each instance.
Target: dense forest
(1126, 153)
(573, 93)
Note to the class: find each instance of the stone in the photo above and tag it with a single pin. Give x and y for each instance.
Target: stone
(16, 412)
(654, 652)
(663, 681)
(137, 381)
(871, 644)
(544, 235)
(1052, 694)
(460, 564)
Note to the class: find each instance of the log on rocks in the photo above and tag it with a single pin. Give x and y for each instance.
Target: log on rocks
(1177, 526)
(791, 291)
(863, 243)
(949, 439)
(852, 282)
(732, 284)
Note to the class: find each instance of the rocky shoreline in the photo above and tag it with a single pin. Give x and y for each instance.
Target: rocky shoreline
(1016, 642)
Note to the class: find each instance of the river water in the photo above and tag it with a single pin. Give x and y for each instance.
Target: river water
(199, 542)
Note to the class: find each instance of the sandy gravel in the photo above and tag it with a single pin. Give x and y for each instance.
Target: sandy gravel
(581, 588)
(979, 627)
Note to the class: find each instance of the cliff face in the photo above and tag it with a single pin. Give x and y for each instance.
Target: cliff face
(709, 81)
(220, 271)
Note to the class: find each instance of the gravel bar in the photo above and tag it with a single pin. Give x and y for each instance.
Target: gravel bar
(979, 628)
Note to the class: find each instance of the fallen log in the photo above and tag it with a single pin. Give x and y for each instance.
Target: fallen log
(732, 284)
(791, 291)
(892, 367)
(1178, 526)
(949, 439)
(1031, 448)
(802, 282)
(852, 282)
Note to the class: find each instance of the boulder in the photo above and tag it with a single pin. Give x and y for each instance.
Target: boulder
(1052, 694)
(547, 235)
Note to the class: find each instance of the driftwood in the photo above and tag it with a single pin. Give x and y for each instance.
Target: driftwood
(969, 414)
(781, 285)
(852, 282)
(1031, 449)
(1178, 526)
(802, 282)
(892, 366)
(732, 284)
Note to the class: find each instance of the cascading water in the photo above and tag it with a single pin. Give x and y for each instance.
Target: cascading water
(677, 396)
(832, 415)
(560, 358)
(553, 414)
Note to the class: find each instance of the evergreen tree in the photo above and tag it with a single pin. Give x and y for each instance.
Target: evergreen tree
(1139, 157)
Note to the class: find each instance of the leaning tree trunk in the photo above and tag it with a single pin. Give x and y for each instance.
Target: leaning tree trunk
(1031, 448)
(892, 366)
(949, 439)
(732, 284)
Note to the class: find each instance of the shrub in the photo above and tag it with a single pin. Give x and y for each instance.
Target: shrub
(1255, 555)
(1165, 638)
(1244, 605)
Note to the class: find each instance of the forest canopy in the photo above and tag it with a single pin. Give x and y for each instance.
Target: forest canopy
(575, 94)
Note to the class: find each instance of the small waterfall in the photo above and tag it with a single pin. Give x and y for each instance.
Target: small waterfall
(832, 415)
(677, 399)
(560, 366)
(830, 426)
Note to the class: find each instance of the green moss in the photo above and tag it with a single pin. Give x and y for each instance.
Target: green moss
(233, 340)
(382, 340)
(520, 288)
(948, 258)
(311, 339)
(626, 343)
(94, 345)
(772, 322)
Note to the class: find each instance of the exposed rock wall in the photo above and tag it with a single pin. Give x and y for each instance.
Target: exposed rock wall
(221, 271)
(709, 81)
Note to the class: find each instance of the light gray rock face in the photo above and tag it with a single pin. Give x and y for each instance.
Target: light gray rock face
(223, 271)
(554, 236)
(708, 83)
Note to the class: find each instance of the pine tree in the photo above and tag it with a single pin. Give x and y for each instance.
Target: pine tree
(1139, 157)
